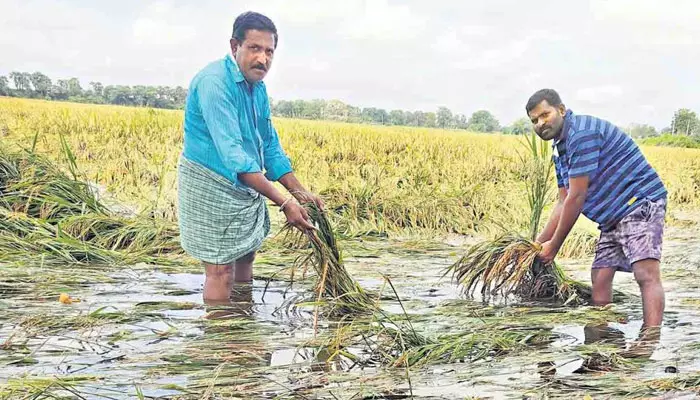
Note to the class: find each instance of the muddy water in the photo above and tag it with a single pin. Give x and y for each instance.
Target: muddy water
(149, 331)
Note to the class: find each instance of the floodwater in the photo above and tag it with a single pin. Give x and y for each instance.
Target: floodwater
(143, 331)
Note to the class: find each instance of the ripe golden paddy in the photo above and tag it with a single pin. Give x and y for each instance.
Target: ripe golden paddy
(376, 179)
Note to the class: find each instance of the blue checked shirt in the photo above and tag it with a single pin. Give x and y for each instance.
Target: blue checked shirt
(228, 127)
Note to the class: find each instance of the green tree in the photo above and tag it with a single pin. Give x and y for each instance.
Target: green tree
(335, 110)
(685, 122)
(483, 121)
(97, 88)
(430, 120)
(21, 81)
(41, 83)
(396, 117)
(4, 86)
(444, 117)
(520, 126)
(641, 131)
(461, 121)
(419, 118)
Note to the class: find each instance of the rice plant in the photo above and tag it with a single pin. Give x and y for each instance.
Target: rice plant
(509, 263)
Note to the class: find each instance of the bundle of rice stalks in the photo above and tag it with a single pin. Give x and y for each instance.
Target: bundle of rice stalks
(334, 282)
(509, 265)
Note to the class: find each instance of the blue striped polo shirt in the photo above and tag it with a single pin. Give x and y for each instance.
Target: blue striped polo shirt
(619, 175)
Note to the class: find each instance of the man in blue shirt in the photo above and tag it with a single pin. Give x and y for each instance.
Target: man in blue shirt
(602, 174)
(230, 157)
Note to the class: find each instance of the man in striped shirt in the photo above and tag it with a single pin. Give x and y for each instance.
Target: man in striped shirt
(602, 174)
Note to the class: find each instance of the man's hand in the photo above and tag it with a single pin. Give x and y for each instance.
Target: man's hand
(548, 252)
(297, 216)
(308, 197)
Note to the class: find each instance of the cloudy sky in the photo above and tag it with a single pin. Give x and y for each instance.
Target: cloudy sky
(624, 60)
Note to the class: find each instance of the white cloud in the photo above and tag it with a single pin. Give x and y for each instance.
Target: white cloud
(160, 24)
(407, 54)
(376, 19)
(653, 12)
(599, 94)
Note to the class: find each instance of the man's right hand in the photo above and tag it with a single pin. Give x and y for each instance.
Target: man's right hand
(297, 216)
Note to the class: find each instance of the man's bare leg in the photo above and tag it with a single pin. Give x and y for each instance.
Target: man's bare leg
(648, 275)
(602, 279)
(244, 268)
(218, 283)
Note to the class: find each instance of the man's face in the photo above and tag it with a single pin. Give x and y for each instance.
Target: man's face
(547, 120)
(254, 55)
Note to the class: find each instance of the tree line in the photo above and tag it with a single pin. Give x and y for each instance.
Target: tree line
(38, 85)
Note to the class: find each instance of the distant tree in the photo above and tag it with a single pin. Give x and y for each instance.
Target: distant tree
(685, 122)
(354, 114)
(313, 109)
(73, 87)
(443, 117)
(179, 96)
(520, 126)
(4, 86)
(430, 120)
(396, 117)
(97, 88)
(21, 81)
(639, 131)
(41, 83)
(419, 118)
(460, 121)
(298, 108)
(483, 121)
(335, 110)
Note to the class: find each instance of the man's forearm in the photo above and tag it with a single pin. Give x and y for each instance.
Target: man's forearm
(570, 212)
(260, 184)
(291, 183)
(551, 225)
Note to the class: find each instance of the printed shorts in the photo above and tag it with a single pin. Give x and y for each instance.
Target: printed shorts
(638, 236)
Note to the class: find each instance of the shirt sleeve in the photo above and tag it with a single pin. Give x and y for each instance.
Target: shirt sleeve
(584, 150)
(277, 163)
(221, 117)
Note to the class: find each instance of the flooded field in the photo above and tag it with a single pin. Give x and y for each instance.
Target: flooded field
(97, 300)
(144, 332)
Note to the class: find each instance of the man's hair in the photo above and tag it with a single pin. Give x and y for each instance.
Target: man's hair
(550, 95)
(252, 20)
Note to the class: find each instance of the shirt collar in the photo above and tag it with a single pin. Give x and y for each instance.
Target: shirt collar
(568, 120)
(232, 66)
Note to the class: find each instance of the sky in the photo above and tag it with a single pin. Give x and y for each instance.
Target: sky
(623, 60)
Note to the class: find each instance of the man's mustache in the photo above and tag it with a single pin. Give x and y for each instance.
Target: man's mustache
(260, 66)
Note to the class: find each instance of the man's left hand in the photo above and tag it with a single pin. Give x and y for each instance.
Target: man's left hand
(308, 197)
(548, 252)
